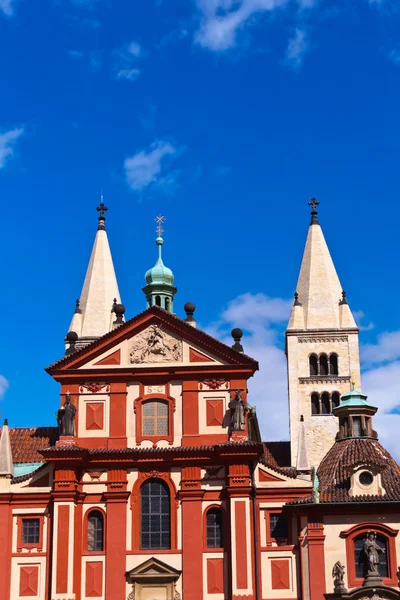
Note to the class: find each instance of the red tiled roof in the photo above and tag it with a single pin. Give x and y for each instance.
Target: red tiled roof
(334, 472)
(277, 457)
(27, 441)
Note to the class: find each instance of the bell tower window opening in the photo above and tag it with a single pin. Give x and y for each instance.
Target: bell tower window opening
(155, 528)
(166, 303)
(323, 404)
(158, 301)
(155, 418)
(313, 360)
(333, 364)
(323, 365)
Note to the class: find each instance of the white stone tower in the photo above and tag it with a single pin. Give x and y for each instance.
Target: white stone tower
(321, 349)
(99, 304)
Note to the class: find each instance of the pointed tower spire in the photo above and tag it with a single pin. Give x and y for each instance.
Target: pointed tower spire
(321, 348)
(318, 287)
(159, 288)
(6, 460)
(93, 315)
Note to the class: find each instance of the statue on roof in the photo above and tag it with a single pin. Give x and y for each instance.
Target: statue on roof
(238, 408)
(371, 554)
(66, 417)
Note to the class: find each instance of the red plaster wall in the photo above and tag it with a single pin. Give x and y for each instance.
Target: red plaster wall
(241, 547)
(62, 550)
(94, 579)
(215, 575)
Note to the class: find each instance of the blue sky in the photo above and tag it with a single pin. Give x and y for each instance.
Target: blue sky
(226, 116)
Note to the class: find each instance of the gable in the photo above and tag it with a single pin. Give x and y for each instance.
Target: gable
(154, 337)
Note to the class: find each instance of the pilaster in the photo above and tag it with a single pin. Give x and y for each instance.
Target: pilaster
(316, 558)
(116, 499)
(191, 496)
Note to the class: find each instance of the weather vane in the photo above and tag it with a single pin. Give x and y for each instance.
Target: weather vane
(160, 220)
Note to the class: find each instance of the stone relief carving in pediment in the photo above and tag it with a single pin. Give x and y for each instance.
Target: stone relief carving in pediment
(155, 345)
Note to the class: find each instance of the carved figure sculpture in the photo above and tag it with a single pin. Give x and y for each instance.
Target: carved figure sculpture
(154, 345)
(338, 576)
(66, 417)
(238, 408)
(371, 554)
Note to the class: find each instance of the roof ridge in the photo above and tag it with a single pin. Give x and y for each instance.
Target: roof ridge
(149, 311)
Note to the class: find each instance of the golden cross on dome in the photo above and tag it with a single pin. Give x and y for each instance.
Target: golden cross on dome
(160, 220)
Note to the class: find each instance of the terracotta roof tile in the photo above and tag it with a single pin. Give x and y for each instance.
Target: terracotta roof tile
(27, 441)
(334, 472)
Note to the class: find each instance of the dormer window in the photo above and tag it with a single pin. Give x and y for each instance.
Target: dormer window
(365, 478)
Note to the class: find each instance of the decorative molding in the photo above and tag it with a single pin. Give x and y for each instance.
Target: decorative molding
(322, 339)
(213, 384)
(95, 474)
(213, 473)
(95, 388)
(325, 379)
(153, 345)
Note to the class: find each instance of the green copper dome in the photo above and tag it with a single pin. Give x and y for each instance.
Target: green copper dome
(159, 274)
(159, 288)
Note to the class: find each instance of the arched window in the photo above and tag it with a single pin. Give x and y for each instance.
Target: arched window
(95, 531)
(313, 364)
(214, 528)
(315, 410)
(333, 364)
(158, 301)
(360, 556)
(323, 364)
(155, 528)
(325, 403)
(335, 399)
(166, 302)
(155, 417)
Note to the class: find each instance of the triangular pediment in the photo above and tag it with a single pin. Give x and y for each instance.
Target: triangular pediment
(153, 568)
(153, 338)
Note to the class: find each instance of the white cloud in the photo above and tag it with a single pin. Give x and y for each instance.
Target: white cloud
(3, 386)
(129, 74)
(263, 320)
(359, 317)
(387, 348)
(7, 142)
(145, 167)
(221, 20)
(127, 58)
(7, 6)
(296, 49)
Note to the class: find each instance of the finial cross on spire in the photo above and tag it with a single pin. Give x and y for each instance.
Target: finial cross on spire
(102, 208)
(314, 203)
(160, 220)
(314, 214)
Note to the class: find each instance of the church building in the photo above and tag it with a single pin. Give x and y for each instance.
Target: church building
(156, 483)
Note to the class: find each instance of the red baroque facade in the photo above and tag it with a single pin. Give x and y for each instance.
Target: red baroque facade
(163, 491)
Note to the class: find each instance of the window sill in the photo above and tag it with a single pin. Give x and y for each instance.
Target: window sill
(213, 549)
(154, 551)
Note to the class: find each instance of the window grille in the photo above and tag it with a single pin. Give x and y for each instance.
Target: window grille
(155, 418)
(30, 531)
(95, 541)
(155, 516)
(214, 528)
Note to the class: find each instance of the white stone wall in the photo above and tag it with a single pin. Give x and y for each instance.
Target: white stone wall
(320, 429)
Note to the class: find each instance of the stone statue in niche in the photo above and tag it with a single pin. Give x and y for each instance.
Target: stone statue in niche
(66, 417)
(238, 408)
(371, 554)
(338, 577)
(155, 345)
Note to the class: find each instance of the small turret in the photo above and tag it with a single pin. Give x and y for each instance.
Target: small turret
(6, 460)
(355, 416)
(159, 288)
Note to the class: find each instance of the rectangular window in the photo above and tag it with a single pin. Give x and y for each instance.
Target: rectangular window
(30, 531)
(278, 526)
(155, 418)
